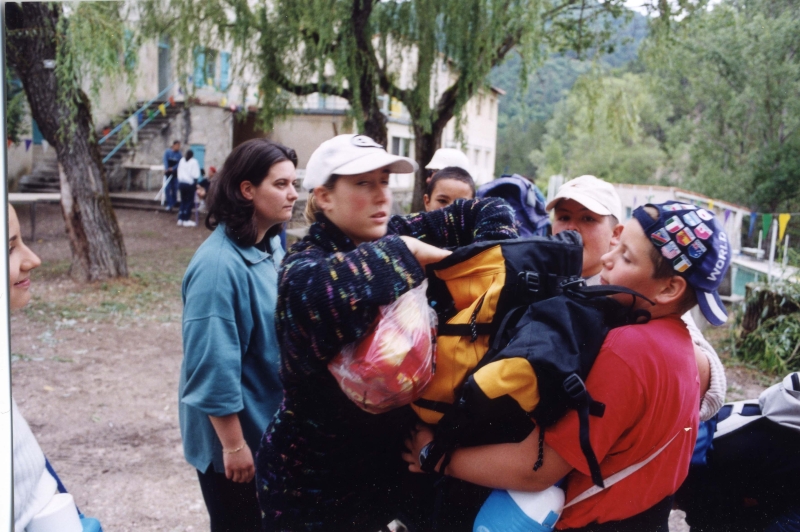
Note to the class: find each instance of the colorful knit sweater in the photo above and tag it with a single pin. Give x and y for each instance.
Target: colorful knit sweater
(323, 462)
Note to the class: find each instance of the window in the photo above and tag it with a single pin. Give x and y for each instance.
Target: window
(401, 146)
(205, 67)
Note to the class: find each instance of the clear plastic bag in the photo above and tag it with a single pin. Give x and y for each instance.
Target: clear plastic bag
(391, 366)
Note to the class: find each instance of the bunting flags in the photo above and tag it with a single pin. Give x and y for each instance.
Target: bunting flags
(727, 215)
(223, 102)
(710, 204)
(172, 100)
(9, 142)
(766, 222)
(163, 109)
(28, 143)
(783, 220)
(45, 146)
(753, 217)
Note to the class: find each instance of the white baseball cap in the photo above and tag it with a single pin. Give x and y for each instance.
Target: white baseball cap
(595, 194)
(351, 155)
(444, 157)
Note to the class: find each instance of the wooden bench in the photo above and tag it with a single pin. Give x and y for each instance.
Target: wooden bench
(32, 199)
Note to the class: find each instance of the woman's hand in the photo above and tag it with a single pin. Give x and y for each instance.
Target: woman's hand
(236, 454)
(239, 465)
(424, 253)
(421, 436)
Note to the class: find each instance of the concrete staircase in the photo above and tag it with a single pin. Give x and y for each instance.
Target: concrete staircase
(44, 176)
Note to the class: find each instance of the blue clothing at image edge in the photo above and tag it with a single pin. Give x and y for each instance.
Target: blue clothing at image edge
(231, 358)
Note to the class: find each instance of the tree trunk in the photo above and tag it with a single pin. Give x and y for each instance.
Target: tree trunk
(374, 119)
(425, 145)
(63, 114)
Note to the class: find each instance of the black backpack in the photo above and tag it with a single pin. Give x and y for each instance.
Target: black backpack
(552, 338)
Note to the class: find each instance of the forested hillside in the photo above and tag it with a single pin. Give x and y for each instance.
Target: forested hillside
(524, 111)
(711, 105)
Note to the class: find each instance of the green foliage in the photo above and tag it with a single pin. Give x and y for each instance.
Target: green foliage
(92, 47)
(16, 109)
(732, 75)
(530, 101)
(607, 127)
(775, 344)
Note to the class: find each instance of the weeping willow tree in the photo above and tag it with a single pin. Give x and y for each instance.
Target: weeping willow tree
(52, 48)
(365, 50)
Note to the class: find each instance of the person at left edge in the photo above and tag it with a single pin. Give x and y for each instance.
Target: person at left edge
(229, 385)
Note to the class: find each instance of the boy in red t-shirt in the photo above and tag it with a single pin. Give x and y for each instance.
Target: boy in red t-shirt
(676, 255)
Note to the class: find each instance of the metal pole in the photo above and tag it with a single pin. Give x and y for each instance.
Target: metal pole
(6, 440)
(772, 249)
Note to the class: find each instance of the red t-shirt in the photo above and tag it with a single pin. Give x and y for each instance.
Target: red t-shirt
(646, 375)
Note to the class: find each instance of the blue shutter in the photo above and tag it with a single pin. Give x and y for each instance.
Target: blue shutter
(199, 66)
(37, 133)
(224, 71)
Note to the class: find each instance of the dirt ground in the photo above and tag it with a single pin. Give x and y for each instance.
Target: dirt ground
(95, 373)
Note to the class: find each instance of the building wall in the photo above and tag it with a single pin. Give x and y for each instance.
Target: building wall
(19, 162)
(633, 196)
(305, 132)
(210, 126)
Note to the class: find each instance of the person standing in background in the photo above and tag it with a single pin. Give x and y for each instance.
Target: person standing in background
(229, 384)
(172, 157)
(188, 173)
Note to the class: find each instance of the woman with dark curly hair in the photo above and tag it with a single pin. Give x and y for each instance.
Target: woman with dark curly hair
(229, 386)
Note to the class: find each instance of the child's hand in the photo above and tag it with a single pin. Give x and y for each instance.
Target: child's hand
(421, 436)
(239, 466)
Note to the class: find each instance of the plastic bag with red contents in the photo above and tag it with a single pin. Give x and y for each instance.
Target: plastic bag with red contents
(391, 366)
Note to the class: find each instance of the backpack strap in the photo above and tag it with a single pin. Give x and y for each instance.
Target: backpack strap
(585, 405)
(616, 477)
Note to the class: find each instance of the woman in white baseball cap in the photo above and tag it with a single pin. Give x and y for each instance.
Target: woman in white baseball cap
(324, 464)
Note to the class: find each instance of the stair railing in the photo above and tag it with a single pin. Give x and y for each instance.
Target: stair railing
(139, 126)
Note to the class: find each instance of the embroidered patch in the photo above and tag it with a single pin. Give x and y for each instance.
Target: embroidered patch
(681, 264)
(702, 231)
(691, 219)
(696, 249)
(684, 237)
(674, 224)
(705, 215)
(688, 207)
(363, 141)
(671, 250)
(672, 207)
(660, 237)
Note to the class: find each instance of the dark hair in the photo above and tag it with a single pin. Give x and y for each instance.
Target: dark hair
(450, 172)
(249, 161)
(189, 154)
(174, 142)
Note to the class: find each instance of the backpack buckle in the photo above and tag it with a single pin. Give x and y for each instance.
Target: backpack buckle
(575, 388)
(572, 282)
(529, 281)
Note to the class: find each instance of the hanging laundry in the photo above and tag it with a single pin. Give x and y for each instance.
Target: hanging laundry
(133, 121)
